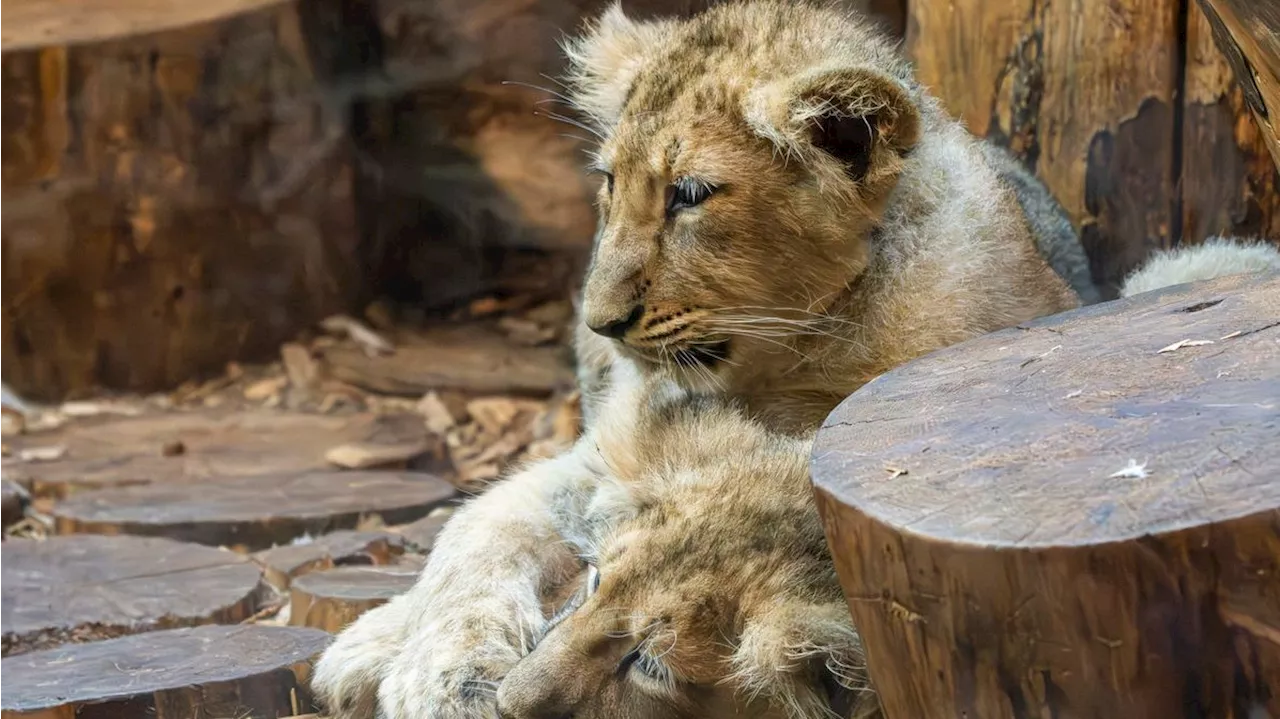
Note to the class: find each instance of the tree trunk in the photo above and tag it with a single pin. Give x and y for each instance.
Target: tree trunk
(1248, 33)
(1229, 179)
(176, 192)
(1073, 518)
(1085, 93)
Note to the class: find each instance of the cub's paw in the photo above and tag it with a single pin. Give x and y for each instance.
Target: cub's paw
(451, 669)
(347, 676)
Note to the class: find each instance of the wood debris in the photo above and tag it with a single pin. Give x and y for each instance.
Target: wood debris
(370, 341)
(300, 367)
(1183, 343)
(48, 453)
(1132, 470)
(265, 389)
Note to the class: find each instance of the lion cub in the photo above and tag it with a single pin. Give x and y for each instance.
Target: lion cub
(786, 213)
(710, 592)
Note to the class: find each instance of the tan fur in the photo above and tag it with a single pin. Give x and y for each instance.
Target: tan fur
(818, 280)
(713, 567)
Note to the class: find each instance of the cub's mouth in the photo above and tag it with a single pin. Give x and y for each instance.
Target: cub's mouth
(703, 355)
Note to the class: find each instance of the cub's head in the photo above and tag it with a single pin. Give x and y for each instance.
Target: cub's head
(708, 599)
(745, 156)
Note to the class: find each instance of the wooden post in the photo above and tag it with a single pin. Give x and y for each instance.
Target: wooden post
(1084, 92)
(1229, 182)
(1073, 518)
(1248, 34)
(177, 192)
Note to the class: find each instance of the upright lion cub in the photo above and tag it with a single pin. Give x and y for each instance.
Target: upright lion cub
(785, 213)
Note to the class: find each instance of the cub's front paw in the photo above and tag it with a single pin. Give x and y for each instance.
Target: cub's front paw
(348, 674)
(451, 669)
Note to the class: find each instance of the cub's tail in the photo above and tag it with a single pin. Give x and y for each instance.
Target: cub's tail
(1215, 257)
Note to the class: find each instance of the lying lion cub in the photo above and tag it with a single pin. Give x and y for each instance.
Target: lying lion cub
(711, 592)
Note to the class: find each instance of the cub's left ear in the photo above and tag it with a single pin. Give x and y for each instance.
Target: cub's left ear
(861, 118)
(805, 658)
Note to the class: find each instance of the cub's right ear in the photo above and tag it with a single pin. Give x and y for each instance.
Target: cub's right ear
(853, 122)
(605, 60)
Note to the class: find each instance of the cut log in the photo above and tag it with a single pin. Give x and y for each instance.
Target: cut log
(76, 589)
(1248, 33)
(1077, 517)
(116, 451)
(282, 565)
(333, 599)
(256, 672)
(177, 190)
(1230, 184)
(254, 512)
(421, 535)
(1088, 106)
(465, 358)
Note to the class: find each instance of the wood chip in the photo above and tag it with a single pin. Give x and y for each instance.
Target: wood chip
(1183, 343)
(265, 388)
(527, 332)
(439, 419)
(300, 367)
(370, 341)
(48, 453)
(94, 409)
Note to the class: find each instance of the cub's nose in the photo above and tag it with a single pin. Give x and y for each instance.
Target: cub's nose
(615, 329)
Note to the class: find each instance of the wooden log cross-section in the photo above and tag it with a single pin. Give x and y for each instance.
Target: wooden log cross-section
(84, 588)
(254, 512)
(218, 672)
(1078, 517)
(332, 599)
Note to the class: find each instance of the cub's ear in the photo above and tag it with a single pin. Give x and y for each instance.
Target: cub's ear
(857, 121)
(806, 659)
(604, 61)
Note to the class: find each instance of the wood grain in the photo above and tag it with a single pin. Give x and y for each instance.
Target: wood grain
(1248, 34)
(281, 565)
(1083, 92)
(332, 599)
(120, 451)
(215, 671)
(1061, 519)
(77, 589)
(254, 512)
(177, 193)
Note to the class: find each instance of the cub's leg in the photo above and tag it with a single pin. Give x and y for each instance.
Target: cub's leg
(440, 650)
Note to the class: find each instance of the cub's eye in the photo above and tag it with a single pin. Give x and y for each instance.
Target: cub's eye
(645, 666)
(593, 580)
(687, 192)
(608, 180)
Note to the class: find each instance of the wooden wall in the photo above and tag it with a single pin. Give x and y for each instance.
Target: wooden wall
(1125, 108)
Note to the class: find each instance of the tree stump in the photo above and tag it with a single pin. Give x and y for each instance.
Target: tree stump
(333, 599)
(75, 589)
(113, 452)
(1248, 33)
(421, 535)
(253, 512)
(177, 191)
(281, 565)
(254, 671)
(1077, 517)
